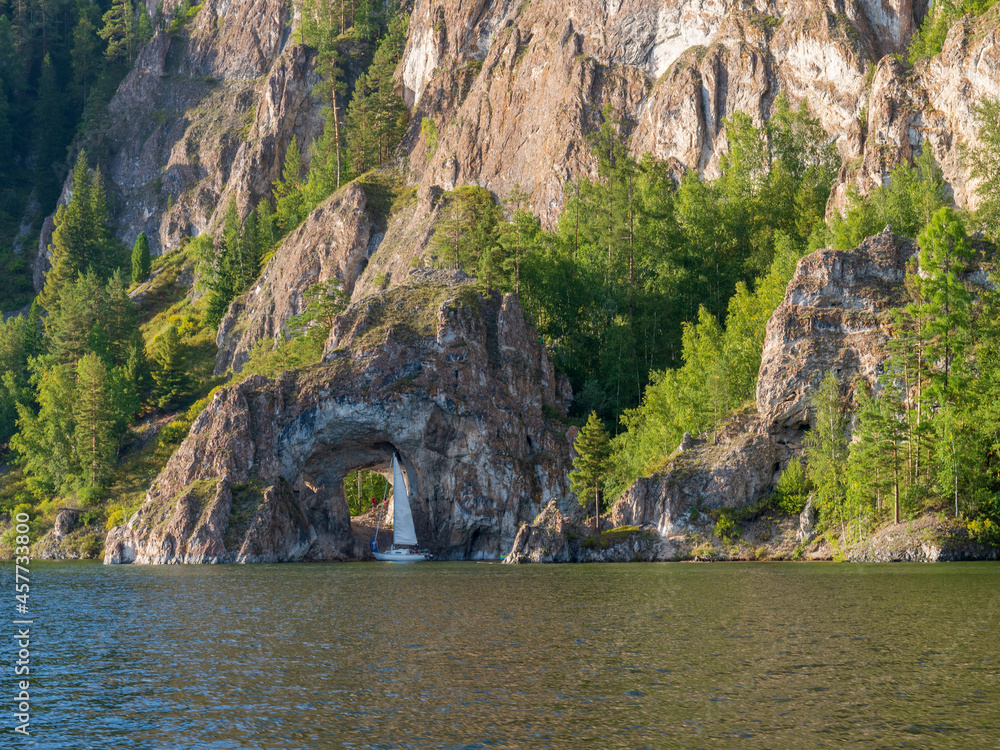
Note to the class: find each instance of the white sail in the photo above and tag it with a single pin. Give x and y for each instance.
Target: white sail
(403, 532)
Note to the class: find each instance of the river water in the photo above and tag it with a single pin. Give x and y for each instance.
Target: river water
(464, 655)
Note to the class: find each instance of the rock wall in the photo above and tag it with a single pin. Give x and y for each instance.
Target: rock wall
(457, 385)
(334, 242)
(835, 316)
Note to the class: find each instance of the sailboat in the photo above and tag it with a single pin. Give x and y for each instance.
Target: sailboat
(404, 535)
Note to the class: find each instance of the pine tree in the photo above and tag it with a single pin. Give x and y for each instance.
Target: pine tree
(984, 163)
(81, 239)
(50, 137)
(288, 190)
(119, 31)
(324, 301)
(85, 57)
(591, 465)
(6, 131)
(944, 253)
(119, 322)
(72, 326)
(826, 448)
(44, 443)
(93, 411)
(141, 260)
(321, 29)
(170, 374)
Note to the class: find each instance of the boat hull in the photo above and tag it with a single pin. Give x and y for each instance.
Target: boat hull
(400, 557)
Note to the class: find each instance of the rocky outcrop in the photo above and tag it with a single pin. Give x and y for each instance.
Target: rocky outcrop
(332, 243)
(737, 466)
(555, 538)
(457, 385)
(931, 106)
(926, 539)
(203, 118)
(835, 317)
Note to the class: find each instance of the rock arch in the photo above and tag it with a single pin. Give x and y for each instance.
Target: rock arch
(458, 384)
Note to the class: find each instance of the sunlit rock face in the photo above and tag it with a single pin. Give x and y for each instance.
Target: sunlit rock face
(455, 384)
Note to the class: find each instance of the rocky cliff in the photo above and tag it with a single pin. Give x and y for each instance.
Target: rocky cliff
(457, 385)
(835, 317)
(513, 88)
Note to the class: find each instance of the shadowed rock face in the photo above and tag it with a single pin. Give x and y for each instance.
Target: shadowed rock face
(457, 385)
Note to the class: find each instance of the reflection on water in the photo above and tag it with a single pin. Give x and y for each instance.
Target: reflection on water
(459, 655)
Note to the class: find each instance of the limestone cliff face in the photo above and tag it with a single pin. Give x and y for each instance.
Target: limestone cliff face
(932, 107)
(513, 88)
(457, 385)
(205, 116)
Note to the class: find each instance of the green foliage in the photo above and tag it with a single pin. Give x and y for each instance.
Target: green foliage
(360, 487)
(944, 255)
(906, 203)
(826, 448)
(430, 134)
(719, 373)
(236, 265)
(727, 529)
(928, 40)
(984, 165)
(792, 492)
(376, 116)
(82, 240)
(169, 371)
(141, 259)
(590, 465)
(94, 416)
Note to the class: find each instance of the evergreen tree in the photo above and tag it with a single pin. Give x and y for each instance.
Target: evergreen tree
(85, 57)
(590, 466)
(93, 411)
(14, 353)
(826, 448)
(6, 132)
(169, 373)
(81, 239)
(119, 323)
(324, 301)
(321, 29)
(49, 136)
(944, 253)
(288, 191)
(44, 444)
(119, 31)
(141, 260)
(73, 324)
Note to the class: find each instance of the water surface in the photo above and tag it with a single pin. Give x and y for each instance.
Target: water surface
(464, 655)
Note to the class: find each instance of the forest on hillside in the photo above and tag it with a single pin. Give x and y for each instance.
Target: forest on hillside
(651, 295)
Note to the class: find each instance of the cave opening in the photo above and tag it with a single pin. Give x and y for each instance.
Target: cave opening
(337, 484)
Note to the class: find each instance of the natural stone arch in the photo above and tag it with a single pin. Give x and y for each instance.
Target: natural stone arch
(457, 384)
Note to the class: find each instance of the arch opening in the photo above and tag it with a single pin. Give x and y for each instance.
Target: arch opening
(322, 489)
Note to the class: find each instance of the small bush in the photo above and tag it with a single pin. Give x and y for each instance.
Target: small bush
(90, 496)
(792, 492)
(174, 433)
(116, 518)
(727, 529)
